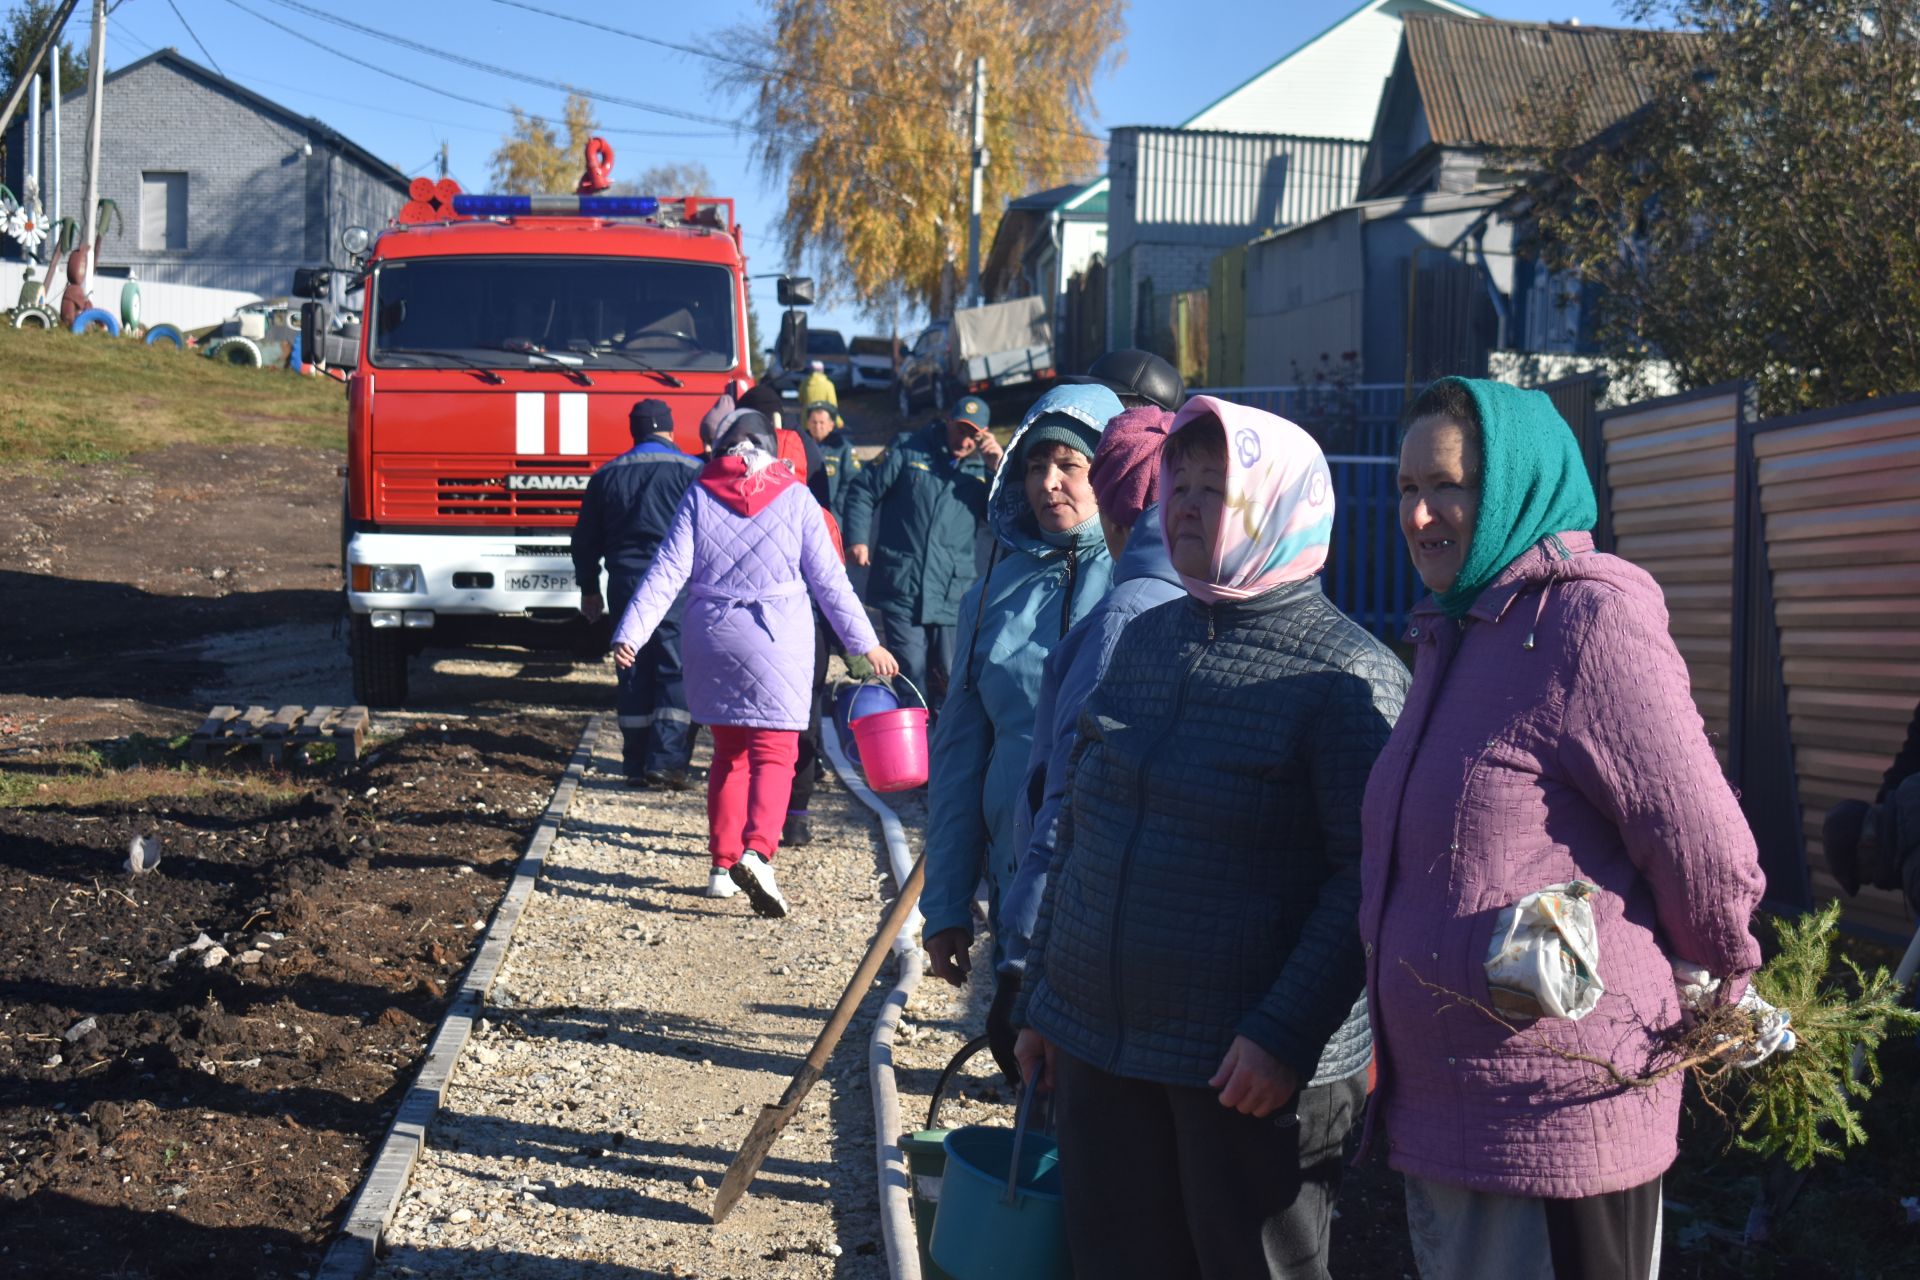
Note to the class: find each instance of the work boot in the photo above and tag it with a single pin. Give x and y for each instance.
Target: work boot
(667, 779)
(754, 875)
(797, 829)
(638, 784)
(720, 884)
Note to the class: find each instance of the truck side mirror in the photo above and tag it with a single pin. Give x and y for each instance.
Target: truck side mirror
(313, 328)
(792, 347)
(311, 282)
(796, 291)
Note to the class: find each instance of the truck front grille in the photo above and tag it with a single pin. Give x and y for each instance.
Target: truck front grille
(415, 496)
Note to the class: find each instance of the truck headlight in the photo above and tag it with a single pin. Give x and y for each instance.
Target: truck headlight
(395, 577)
(402, 578)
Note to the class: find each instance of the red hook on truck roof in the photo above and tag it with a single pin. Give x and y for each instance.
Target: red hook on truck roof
(599, 174)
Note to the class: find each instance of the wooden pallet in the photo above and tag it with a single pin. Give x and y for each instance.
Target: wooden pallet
(274, 733)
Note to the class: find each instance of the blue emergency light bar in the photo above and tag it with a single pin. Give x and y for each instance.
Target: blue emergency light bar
(556, 206)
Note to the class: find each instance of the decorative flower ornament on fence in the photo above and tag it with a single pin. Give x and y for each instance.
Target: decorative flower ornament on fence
(22, 220)
(25, 225)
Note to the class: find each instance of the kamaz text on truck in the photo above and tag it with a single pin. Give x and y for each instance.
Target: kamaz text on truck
(501, 352)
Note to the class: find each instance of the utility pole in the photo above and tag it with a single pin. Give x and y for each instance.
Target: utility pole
(443, 160)
(53, 176)
(34, 181)
(96, 79)
(47, 42)
(980, 160)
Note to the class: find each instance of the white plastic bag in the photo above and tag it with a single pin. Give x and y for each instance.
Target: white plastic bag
(1544, 960)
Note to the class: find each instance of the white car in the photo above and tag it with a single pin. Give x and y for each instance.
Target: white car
(872, 363)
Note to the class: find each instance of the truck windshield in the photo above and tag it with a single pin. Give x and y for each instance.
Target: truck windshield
(507, 312)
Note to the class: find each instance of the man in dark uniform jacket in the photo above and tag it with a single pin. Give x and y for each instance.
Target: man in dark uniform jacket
(624, 515)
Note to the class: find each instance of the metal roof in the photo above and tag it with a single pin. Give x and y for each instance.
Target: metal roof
(1064, 199)
(1477, 77)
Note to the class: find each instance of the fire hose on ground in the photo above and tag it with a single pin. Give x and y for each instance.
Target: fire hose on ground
(896, 1184)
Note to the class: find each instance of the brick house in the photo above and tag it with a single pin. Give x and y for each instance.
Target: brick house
(216, 185)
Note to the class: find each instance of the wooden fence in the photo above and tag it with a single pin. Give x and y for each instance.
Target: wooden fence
(1789, 552)
(1838, 502)
(1670, 482)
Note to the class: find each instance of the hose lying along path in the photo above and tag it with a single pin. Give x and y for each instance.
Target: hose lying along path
(896, 1185)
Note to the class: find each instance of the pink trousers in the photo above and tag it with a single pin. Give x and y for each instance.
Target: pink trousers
(747, 790)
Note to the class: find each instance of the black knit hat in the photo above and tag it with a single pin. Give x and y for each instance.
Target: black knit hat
(763, 397)
(650, 418)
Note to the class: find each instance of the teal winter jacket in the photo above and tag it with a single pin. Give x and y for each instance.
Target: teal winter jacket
(1033, 593)
(918, 510)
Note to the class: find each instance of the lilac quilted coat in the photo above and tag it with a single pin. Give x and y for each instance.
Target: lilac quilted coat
(747, 637)
(1549, 736)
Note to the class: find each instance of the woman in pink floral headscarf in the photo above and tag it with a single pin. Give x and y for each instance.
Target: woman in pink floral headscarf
(1193, 983)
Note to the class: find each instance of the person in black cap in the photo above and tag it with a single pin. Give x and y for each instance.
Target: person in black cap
(912, 516)
(625, 512)
(1137, 377)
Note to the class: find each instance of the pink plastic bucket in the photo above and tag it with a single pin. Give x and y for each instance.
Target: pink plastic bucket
(893, 747)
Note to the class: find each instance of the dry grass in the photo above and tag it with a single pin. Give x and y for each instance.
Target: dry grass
(131, 772)
(68, 398)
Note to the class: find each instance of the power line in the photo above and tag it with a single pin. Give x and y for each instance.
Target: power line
(297, 34)
(946, 155)
(475, 64)
(197, 41)
(783, 73)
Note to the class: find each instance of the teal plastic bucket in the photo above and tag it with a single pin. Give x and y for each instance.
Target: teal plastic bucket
(978, 1235)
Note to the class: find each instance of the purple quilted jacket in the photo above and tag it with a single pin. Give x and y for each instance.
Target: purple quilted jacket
(1549, 736)
(748, 562)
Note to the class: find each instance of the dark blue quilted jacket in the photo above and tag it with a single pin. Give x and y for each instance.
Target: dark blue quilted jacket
(1206, 882)
(626, 511)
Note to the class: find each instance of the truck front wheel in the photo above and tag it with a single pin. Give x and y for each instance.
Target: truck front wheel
(379, 663)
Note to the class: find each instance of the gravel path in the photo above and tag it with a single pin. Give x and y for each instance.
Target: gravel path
(633, 1035)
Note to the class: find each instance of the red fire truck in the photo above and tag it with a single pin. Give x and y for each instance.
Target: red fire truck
(502, 347)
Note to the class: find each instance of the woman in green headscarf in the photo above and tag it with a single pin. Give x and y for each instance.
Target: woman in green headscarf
(1549, 737)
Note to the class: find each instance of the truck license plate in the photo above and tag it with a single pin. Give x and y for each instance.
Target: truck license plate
(540, 582)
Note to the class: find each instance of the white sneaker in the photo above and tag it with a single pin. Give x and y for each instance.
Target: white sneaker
(720, 885)
(754, 875)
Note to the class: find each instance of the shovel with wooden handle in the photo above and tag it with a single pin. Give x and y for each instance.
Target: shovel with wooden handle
(774, 1118)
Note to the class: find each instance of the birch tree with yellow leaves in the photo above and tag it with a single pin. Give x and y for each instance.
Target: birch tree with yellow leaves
(864, 109)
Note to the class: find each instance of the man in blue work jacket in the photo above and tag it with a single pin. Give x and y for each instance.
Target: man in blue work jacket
(913, 516)
(624, 515)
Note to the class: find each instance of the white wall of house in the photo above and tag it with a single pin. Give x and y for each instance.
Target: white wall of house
(1329, 87)
(1080, 242)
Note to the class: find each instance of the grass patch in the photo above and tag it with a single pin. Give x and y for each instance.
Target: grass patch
(132, 770)
(92, 399)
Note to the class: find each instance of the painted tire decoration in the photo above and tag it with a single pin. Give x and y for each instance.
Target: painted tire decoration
(166, 333)
(32, 317)
(86, 320)
(244, 352)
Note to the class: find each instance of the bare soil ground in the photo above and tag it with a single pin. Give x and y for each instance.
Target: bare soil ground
(162, 1117)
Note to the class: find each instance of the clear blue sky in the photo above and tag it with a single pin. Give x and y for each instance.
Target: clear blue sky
(1180, 55)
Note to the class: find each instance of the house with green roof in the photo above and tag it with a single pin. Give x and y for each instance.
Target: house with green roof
(1044, 247)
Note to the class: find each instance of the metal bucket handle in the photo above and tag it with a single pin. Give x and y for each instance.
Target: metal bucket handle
(960, 1060)
(1028, 1095)
(887, 684)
